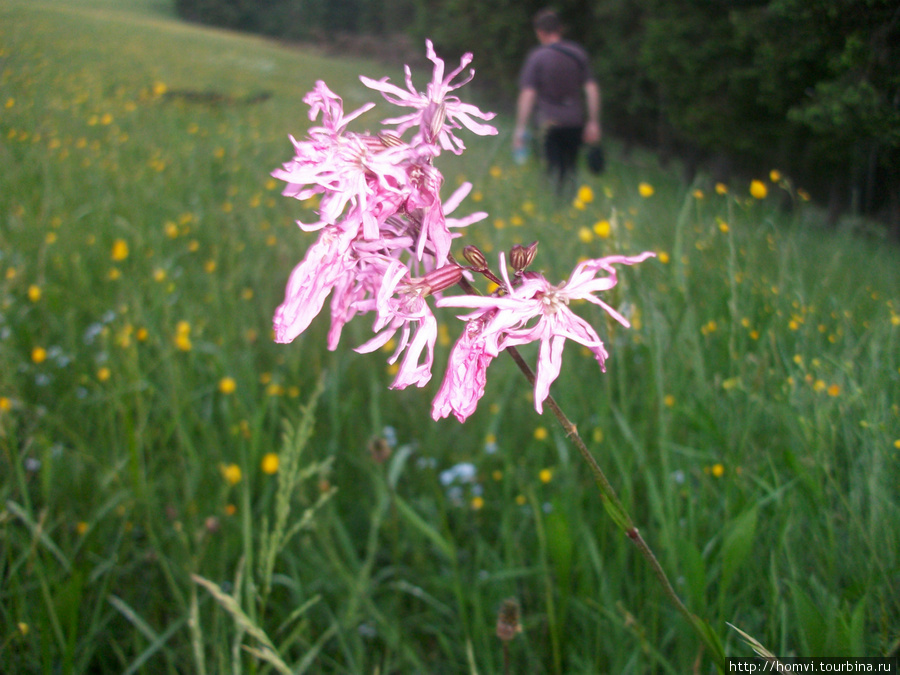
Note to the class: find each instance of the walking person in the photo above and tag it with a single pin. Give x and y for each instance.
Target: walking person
(557, 83)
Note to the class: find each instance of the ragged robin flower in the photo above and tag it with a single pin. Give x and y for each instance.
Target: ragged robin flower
(513, 315)
(436, 114)
(382, 220)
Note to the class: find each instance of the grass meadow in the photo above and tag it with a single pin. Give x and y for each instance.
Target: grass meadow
(182, 495)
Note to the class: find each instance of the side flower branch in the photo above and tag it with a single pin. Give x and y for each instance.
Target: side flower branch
(383, 249)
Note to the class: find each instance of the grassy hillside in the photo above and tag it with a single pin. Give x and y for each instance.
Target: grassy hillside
(155, 471)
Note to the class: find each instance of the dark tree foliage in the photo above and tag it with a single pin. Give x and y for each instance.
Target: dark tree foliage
(833, 75)
(301, 19)
(811, 87)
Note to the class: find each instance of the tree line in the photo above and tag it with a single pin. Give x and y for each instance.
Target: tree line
(810, 87)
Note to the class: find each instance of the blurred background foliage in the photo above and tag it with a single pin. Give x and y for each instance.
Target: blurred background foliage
(729, 87)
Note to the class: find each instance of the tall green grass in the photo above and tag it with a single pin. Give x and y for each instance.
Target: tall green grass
(749, 419)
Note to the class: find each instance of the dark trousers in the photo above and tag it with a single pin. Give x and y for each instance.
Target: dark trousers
(561, 146)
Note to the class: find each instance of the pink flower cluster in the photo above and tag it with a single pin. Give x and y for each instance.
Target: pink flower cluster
(384, 246)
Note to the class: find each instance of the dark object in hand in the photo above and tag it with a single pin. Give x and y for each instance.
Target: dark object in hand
(596, 161)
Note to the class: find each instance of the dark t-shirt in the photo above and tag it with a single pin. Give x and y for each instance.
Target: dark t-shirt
(558, 73)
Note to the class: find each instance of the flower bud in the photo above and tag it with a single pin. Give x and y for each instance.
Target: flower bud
(475, 258)
(521, 257)
(443, 277)
(379, 450)
(508, 620)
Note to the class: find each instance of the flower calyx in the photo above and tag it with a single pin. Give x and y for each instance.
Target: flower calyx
(475, 258)
(441, 279)
(520, 257)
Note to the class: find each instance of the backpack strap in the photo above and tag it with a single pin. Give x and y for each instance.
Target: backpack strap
(582, 65)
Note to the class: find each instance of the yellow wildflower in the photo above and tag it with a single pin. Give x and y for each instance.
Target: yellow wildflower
(602, 229)
(758, 189)
(171, 229)
(444, 338)
(231, 473)
(709, 327)
(269, 463)
(183, 336)
(646, 190)
(119, 250)
(227, 385)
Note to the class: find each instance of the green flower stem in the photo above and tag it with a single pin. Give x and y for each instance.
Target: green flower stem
(618, 513)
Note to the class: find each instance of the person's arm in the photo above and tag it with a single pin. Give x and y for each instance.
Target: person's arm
(592, 132)
(525, 105)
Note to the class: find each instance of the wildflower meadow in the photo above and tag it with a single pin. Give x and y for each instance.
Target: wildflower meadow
(232, 443)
